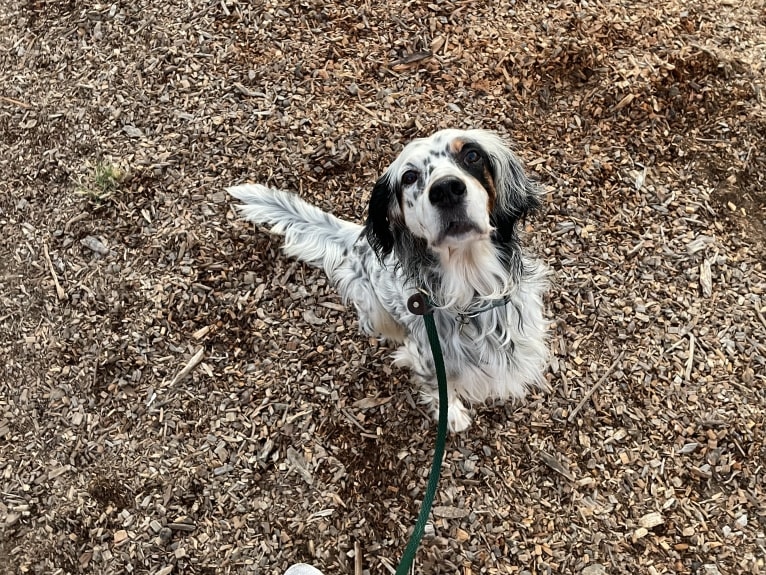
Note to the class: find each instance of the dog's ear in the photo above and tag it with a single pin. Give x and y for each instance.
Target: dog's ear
(517, 195)
(378, 227)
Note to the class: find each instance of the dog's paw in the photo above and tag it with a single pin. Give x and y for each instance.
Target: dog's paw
(458, 417)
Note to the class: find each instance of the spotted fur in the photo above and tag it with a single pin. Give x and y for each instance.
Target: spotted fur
(443, 218)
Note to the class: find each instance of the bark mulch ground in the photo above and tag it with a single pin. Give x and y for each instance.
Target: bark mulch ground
(178, 397)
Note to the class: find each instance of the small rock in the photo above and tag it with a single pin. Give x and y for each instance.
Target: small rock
(594, 569)
(133, 132)
(640, 533)
(11, 519)
(302, 569)
(450, 512)
(310, 317)
(94, 244)
(166, 535)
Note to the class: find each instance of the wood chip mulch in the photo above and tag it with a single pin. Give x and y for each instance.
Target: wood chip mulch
(178, 397)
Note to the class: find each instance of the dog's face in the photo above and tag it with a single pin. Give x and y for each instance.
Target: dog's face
(449, 190)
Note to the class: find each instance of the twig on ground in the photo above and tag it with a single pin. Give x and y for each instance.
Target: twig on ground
(189, 367)
(18, 103)
(593, 389)
(60, 293)
(690, 361)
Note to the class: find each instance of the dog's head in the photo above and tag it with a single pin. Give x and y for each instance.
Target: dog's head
(449, 190)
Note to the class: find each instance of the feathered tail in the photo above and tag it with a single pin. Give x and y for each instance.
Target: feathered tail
(311, 235)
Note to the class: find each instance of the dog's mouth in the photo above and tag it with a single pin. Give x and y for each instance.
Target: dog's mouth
(458, 229)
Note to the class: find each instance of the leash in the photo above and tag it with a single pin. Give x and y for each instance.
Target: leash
(421, 304)
(418, 304)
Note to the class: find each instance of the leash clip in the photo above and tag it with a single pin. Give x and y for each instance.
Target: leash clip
(463, 320)
(418, 304)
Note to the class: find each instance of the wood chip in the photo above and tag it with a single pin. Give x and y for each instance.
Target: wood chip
(651, 520)
(449, 512)
(556, 465)
(60, 293)
(299, 464)
(706, 279)
(370, 402)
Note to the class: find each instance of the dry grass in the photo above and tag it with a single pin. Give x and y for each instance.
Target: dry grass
(176, 397)
(102, 183)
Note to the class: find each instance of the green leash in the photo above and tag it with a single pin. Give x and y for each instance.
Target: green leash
(419, 305)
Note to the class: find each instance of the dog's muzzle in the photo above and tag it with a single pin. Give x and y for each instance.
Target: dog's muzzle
(448, 195)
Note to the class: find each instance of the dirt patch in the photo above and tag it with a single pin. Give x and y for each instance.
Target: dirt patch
(110, 491)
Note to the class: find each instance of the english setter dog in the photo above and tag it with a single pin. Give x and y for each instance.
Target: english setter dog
(443, 220)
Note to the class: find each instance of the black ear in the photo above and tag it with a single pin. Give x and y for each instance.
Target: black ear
(518, 196)
(506, 226)
(377, 228)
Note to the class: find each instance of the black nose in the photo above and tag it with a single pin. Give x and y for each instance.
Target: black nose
(447, 193)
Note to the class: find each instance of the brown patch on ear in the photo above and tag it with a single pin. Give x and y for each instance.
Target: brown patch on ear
(491, 189)
(456, 145)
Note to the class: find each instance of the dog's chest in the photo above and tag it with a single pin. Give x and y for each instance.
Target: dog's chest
(470, 339)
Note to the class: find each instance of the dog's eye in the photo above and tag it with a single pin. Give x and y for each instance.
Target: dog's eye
(471, 157)
(409, 177)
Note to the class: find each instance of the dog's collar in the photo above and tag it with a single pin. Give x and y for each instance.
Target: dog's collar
(422, 303)
(489, 306)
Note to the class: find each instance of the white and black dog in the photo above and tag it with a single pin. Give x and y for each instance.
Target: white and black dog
(444, 220)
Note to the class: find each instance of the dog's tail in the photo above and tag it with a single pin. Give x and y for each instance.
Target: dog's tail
(311, 235)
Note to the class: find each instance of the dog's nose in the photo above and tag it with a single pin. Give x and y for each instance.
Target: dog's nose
(447, 193)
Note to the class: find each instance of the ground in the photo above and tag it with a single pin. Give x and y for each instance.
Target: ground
(178, 397)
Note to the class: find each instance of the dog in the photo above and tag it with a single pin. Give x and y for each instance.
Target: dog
(443, 220)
